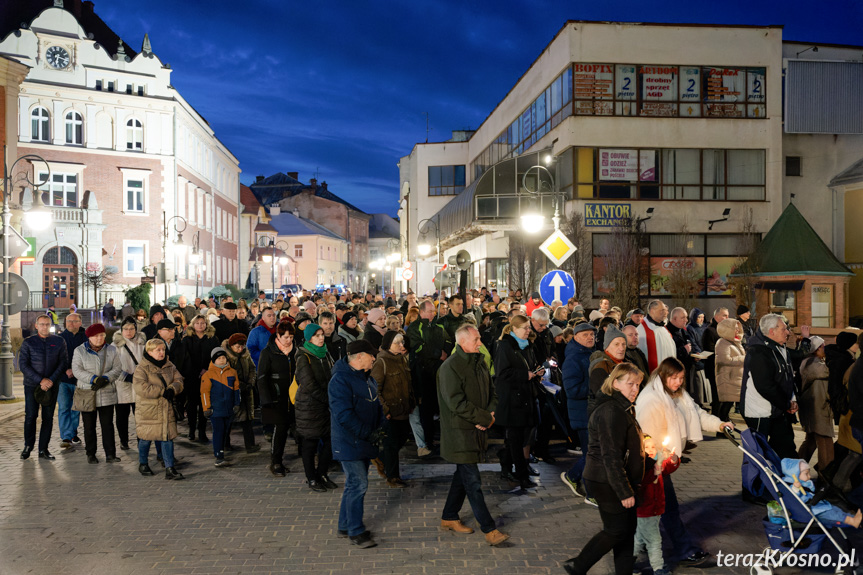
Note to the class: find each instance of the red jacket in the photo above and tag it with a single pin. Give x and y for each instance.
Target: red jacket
(651, 492)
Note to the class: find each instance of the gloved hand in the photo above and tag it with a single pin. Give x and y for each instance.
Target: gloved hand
(377, 437)
(208, 413)
(100, 382)
(169, 394)
(236, 410)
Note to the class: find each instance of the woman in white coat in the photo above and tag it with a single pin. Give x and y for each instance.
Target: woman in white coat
(130, 345)
(665, 410)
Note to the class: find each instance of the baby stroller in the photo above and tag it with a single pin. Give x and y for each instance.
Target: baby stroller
(801, 532)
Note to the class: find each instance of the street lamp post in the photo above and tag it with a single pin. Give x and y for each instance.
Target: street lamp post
(267, 242)
(178, 243)
(533, 221)
(196, 259)
(36, 219)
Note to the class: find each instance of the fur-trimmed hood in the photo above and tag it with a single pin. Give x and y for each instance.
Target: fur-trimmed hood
(211, 331)
(120, 340)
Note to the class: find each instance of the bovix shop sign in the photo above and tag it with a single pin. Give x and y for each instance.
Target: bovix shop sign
(603, 215)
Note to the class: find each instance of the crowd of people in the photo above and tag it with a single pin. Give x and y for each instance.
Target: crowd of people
(353, 377)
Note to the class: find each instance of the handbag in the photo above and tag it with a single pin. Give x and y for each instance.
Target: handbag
(84, 400)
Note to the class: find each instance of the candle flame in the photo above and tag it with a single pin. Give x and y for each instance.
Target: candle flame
(666, 441)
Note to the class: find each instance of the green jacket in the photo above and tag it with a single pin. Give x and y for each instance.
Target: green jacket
(451, 323)
(427, 340)
(467, 398)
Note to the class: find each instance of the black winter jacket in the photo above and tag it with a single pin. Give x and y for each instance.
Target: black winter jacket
(41, 358)
(427, 340)
(312, 403)
(373, 336)
(197, 358)
(615, 452)
(275, 374)
(515, 392)
(225, 328)
(72, 340)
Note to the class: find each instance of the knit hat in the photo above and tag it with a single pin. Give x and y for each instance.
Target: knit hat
(348, 316)
(165, 324)
(301, 317)
(98, 328)
(376, 314)
(555, 330)
(845, 339)
(815, 342)
(361, 346)
(535, 295)
(388, 338)
(310, 330)
(595, 315)
(742, 309)
(236, 338)
(611, 334)
(216, 353)
(157, 309)
(130, 320)
(310, 307)
(578, 309)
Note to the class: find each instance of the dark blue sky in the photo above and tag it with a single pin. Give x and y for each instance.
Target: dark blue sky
(341, 88)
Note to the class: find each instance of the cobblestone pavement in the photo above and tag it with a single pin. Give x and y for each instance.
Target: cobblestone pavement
(68, 517)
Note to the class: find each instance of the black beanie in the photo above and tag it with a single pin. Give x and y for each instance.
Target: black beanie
(387, 340)
(845, 339)
(742, 309)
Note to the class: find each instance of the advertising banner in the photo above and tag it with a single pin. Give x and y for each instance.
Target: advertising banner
(627, 165)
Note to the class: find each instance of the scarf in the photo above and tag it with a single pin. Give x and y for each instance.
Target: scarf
(522, 343)
(380, 330)
(318, 351)
(272, 330)
(285, 350)
(351, 330)
(612, 358)
(160, 363)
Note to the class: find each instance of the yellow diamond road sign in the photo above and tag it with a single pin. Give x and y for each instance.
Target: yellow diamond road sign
(557, 247)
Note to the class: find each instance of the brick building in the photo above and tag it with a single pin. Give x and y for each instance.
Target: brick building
(130, 164)
(318, 204)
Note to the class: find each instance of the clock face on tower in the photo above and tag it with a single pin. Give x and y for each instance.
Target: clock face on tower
(57, 57)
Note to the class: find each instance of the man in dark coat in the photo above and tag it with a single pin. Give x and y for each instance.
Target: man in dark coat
(452, 320)
(354, 428)
(109, 312)
(677, 328)
(839, 357)
(634, 355)
(429, 346)
(228, 324)
(42, 360)
(74, 336)
(576, 383)
(467, 399)
(336, 345)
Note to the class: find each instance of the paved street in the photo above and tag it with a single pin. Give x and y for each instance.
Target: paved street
(68, 517)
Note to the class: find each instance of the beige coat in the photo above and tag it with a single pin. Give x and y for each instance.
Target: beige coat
(125, 392)
(154, 415)
(729, 362)
(815, 413)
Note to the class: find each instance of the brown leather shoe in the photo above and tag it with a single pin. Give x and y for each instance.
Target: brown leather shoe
(456, 526)
(380, 467)
(496, 537)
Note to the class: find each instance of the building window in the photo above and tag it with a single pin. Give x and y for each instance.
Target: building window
(446, 180)
(822, 306)
(134, 257)
(671, 174)
(793, 166)
(134, 195)
(40, 125)
(134, 135)
(74, 128)
(99, 85)
(110, 86)
(61, 191)
(140, 90)
(128, 88)
(298, 250)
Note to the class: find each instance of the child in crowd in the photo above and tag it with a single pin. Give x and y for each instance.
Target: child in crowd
(241, 360)
(652, 497)
(220, 399)
(796, 472)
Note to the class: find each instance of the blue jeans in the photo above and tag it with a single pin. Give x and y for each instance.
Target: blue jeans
(417, 428)
(164, 449)
(221, 427)
(356, 485)
(575, 473)
(648, 538)
(31, 413)
(68, 418)
(673, 525)
(466, 482)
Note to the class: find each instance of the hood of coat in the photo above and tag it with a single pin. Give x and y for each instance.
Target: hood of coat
(233, 357)
(693, 317)
(727, 328)
(211, 331)
(343, 367)
(833, 352)
(119, 340)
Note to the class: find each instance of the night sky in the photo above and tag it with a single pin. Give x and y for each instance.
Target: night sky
(341, 88)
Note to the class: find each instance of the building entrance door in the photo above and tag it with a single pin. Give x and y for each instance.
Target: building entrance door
(60, 277)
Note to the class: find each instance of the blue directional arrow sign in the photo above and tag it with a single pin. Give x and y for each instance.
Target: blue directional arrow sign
(556, 285)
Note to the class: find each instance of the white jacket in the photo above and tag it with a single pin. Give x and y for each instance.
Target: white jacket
(87, 365)
(125, 390)
(679, 419)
